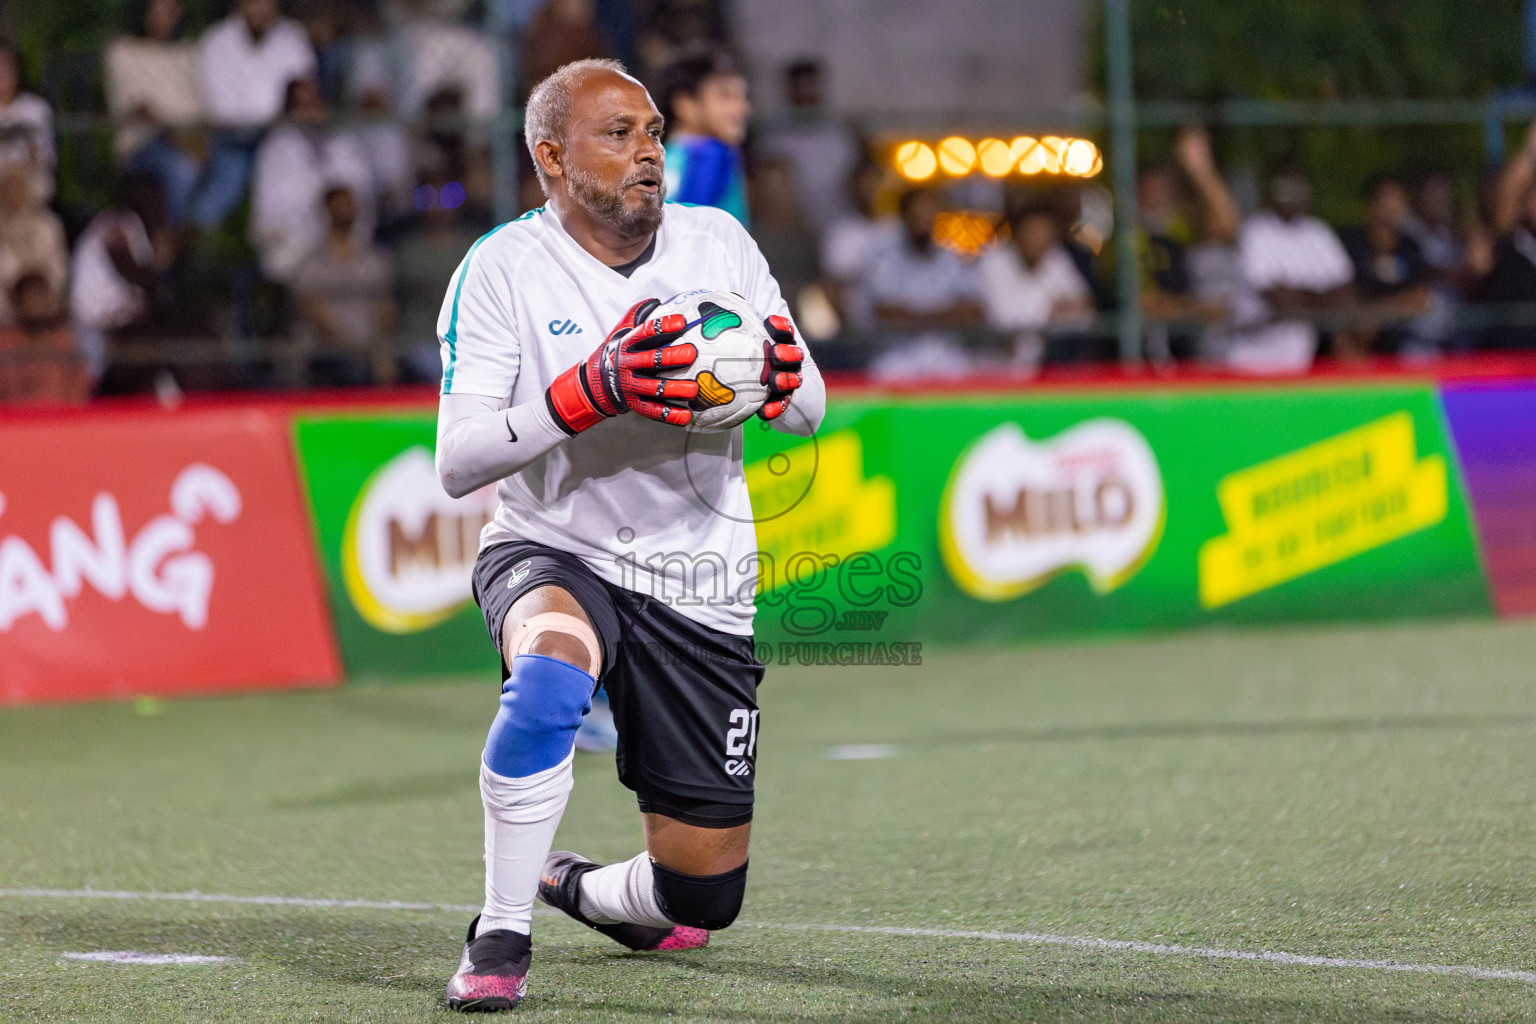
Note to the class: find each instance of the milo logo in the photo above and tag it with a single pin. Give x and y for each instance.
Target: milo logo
(409, 549)
(1017, 512)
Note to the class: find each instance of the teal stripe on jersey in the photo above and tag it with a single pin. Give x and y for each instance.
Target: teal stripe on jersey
(452, 337)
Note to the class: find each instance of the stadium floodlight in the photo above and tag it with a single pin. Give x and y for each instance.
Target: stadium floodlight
(915, 161)
(957, 156)
(1079, 158)
(995, 157)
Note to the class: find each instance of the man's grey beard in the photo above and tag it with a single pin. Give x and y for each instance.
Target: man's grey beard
(608, 206)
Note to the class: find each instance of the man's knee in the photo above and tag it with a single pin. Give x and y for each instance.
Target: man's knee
(699, 901)
(542, 704)
(554, 634)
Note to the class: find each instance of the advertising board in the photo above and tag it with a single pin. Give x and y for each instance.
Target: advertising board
(1022, 516)
(397, 551)
(156, 553)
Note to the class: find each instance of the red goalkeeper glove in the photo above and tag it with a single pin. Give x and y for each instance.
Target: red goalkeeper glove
(623, 375)
(781, 367)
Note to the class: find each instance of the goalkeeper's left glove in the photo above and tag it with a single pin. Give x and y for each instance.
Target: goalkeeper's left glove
(781, 367)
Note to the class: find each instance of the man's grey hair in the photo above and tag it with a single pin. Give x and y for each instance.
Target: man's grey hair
(549, 105)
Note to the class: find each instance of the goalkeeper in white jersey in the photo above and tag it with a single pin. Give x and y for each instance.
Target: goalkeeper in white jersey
(623, 550)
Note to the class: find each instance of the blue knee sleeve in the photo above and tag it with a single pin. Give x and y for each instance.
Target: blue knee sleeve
(542, 702)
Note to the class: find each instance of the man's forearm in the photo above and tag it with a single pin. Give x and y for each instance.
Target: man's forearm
(478, 442)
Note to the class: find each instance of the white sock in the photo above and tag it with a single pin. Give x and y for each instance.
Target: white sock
(521, 816)
(622, 892)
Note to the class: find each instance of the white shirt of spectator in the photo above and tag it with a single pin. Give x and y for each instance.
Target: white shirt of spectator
(243, 80)
(145, 75)
(848, 250)
(26, 137)
(294, 168)
(1016, 297)
(926, 282)
(1302, 253)
(646, 506)
(436, 56)
(99, 297)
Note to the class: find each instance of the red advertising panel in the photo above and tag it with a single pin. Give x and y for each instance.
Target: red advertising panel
(155, 553)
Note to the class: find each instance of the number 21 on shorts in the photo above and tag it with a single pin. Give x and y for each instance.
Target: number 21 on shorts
(740, 742)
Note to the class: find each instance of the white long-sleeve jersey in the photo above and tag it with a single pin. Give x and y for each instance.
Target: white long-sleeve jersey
(647, 506)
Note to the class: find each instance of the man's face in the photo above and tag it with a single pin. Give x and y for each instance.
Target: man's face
(722, 108)
(918, 216)
(613, 157)
(1035, 236)
(10, 77)
(1290, 195)
(1389, 205)
(305, 102)
(258, 14)
(341, 208)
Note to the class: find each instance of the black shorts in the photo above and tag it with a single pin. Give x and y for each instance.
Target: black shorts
(684, 696)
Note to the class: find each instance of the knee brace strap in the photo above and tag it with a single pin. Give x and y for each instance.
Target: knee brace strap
(699, 901)
(542, 702)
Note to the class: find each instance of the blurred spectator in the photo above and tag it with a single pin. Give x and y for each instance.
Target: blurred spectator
(38, 360)
(449, 149)
(386, 146)
(1172, 227)
(426, 257)
(781, 233)
(345, 292)
(121, 254)
(1391, 273)
(297, 162)
(922, 293)
(245, 64)
(703, 96)
(327, 22)
(850, 245)
(1434, 223)
(1512, 275)
(561, 32)
(1029, 282)
(432, 56)
(821, 148)
(31, 237)
(26, 125)
(674, 27)
(1296, 265)
(152, 94)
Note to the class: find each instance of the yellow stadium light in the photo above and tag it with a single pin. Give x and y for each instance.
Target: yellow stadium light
(1019, 147)
(995, 157)
(1098, 163)
(957, 156)
(915, 161)
(1051, 146)
(1079, 157)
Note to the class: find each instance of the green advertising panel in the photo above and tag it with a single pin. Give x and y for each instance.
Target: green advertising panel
(985, 519)
(997, 519)
(397, 550)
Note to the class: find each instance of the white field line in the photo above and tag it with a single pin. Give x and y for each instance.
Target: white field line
(1166, 949)
(128, 956)
(1026, 938)
(265, 901)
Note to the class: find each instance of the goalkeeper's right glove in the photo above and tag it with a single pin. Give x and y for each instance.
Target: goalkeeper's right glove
(623, 375)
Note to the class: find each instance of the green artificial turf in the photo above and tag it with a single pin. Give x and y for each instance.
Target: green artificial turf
(1341, 792)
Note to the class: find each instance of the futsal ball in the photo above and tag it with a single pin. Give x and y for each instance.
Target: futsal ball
(730, 337)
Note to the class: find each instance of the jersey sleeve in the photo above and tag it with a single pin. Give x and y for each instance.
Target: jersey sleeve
(477, 329)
